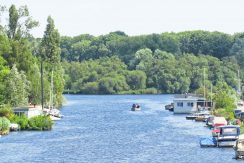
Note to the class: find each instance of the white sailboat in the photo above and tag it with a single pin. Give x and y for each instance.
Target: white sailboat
(51, 110)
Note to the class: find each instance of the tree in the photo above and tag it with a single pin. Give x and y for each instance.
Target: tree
(136, 79)
(17, 87)
(50, 53)
(20, 23)
(51, 43)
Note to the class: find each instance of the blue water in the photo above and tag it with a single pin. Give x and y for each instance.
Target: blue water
(103, 129)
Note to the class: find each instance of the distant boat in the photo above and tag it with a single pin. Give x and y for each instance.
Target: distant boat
(135, 107)
(169, 107)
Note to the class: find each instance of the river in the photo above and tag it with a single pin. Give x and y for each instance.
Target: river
(99, 128)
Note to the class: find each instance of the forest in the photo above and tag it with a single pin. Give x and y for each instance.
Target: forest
(157, 63)
(114, 63)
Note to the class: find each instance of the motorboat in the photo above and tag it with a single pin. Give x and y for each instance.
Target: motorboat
(200, 116)
(212, 121)
(135, 107)
(14, 127)
(191, 116)
(239, 147)
(216, 129)
(53, 118)
(228, 135)
(169, 107)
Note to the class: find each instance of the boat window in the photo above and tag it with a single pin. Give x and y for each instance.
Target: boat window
(180, 104)
(229, 131)
(190, 104)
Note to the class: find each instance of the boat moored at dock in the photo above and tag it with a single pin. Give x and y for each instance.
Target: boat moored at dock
(239, 147)
(228, 135)
(189, 103)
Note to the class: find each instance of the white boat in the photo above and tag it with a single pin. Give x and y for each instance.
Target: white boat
(187, 104)
(228, 135)
(53, 118)
(51, 111)
(14, 127)
(239, 147)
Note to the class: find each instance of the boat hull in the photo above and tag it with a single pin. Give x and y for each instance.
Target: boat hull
(226, 143)
(135, 109)
(190, 117)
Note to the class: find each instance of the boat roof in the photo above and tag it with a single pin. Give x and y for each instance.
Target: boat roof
(219, 120)
(188, 99)
(230, 126)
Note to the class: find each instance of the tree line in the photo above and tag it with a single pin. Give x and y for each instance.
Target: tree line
(159, 63)
(21, 56)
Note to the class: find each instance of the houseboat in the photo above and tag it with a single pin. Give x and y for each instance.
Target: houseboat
(28, 111)
(188, 103)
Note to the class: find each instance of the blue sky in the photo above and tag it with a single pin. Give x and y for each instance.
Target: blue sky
(134, 17)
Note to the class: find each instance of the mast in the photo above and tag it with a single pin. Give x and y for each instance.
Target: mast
(42, 90)
(204, 88)
(211, 96)
(239, 82)
(51, 93)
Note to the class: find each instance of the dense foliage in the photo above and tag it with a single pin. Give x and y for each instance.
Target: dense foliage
(40, 123)
(160, 71)
(4, 125)
(21, 56)
(111, 64)
(167, 62)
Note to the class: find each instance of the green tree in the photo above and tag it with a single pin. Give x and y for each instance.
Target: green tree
(17, 87)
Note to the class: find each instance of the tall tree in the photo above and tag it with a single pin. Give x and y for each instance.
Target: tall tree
(20, 23)
(51, 43)
(50, 52)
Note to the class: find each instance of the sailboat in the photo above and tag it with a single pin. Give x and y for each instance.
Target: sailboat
(51, 111)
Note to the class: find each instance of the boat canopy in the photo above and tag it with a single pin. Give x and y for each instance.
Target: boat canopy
(219, 120)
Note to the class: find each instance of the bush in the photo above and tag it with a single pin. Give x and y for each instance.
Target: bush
(22, 121)
(40, 123)
(5, 111)
(4, 125)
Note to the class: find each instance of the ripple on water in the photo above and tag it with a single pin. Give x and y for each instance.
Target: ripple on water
(103, 129)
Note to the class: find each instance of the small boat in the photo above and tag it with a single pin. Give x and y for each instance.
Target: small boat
(53, 118)
(200, 116)
(216, 129)
(239, 147)
(191, 116)
(135, 107)
(228, 135)
(169, 107)
(14, 127)
(212, 121)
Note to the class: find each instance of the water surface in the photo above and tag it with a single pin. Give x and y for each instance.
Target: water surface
(103, 129)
